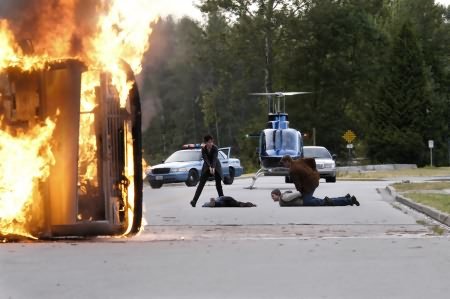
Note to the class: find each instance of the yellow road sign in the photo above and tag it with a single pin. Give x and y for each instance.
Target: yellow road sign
(349, 136)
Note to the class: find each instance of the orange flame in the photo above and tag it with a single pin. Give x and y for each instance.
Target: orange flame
(87, 160)
(8, 48)
(26, 161)
(123, 34)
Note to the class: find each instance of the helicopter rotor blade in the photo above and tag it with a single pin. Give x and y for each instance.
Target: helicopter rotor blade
(263, 94)
(279, 94)
(276, 100)
(295, 93)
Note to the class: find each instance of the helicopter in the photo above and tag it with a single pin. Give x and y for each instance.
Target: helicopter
(277, 139)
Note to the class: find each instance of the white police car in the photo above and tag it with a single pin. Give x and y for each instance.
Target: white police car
(186, 165)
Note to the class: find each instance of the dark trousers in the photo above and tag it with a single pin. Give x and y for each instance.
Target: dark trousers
(203, 178)
(310, 200)
(228, 202)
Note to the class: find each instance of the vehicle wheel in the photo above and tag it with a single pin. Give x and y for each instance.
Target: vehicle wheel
(288, 180)
(192, 179)
(331, 179)
(155, 185)
(228, 180)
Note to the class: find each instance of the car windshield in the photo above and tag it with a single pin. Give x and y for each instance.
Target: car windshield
(184, 156)
(316, 152)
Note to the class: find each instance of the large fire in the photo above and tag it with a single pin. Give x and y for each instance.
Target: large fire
(101, 35)
(27, 158)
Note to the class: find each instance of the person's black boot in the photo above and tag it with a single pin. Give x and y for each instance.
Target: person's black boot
(328, 201)
(349, 197)
(193, 203)
(354, 201)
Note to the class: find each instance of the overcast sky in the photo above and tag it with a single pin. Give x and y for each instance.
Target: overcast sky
(178, 8)
(186, 7)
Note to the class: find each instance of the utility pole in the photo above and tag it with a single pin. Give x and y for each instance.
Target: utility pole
(314, 136)
(217, 128)
(430, 146)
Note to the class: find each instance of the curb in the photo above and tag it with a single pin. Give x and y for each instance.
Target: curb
(431, 212)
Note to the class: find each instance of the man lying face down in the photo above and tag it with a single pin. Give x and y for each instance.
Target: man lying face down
(287, 198)
(294, 199)
(305, 176)
(226, 202)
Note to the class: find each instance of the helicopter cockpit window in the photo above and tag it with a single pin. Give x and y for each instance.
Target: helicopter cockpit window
(281, 140)
(271, 139)
(289, 140)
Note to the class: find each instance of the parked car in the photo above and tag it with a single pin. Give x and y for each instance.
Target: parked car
(325, 162)
(185, 166)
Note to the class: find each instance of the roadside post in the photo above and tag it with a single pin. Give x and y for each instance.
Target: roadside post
(349, 136)
(430, 146)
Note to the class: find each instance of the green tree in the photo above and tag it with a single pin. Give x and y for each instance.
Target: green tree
(401, 114)
(430, 22)
(337, 49)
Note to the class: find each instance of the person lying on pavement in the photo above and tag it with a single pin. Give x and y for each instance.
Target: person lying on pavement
(226, 202)
(295, 199)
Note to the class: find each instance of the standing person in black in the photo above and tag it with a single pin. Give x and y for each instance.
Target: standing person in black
(211, 167)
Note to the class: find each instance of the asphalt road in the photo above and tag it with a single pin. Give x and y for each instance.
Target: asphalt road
(378, 250)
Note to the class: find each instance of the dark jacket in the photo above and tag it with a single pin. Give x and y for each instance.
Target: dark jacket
(211, 159)
(304, 174)
(228, 202)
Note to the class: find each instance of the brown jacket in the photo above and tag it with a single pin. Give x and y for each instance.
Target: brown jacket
(304, 174)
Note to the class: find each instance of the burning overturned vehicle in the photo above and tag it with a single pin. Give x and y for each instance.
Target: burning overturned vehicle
(70, 131)
(80, 172)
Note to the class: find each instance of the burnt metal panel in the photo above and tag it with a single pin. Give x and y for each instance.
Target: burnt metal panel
(60, 98)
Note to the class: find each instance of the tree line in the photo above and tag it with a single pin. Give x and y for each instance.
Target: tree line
(380, 68)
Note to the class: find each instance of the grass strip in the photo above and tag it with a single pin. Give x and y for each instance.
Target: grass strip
(440, 202)
(402, 187)
(415, 172)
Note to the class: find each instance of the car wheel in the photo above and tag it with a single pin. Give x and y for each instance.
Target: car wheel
(192, 179)
(155, 185)
(331, 179)
(228, 180)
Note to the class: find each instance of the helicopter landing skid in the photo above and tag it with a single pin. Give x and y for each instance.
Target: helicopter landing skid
(277, 171)
(257, 174)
